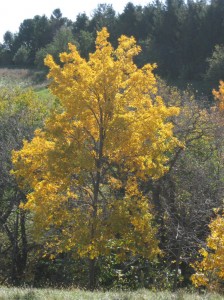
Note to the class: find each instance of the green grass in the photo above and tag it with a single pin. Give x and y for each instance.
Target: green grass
(55, 294)
(44, 94)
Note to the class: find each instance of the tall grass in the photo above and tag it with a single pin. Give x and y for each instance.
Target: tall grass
(19, 77)
(23, 78)
(55, 294)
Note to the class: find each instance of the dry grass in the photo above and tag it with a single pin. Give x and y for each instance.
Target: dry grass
(15, 76)
(22, 77)
(74, 294)
(15, 73)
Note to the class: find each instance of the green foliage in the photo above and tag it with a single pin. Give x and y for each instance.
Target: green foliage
(215, 70)
(22, 56)
(134, 274)
(85, 40)
(8, 40)
(62, 271)
(59, 44)
(20, 113)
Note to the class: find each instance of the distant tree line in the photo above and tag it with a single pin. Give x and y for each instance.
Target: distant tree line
(185, 38)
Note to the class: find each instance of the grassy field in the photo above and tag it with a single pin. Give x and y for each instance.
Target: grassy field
(19, 77)
(54, 294)
(24, 78)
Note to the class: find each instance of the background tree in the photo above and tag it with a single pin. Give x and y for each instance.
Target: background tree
(21, 112)
(81, 23)
(83, 35)
(8, 40)
(168, 40)
(59, 44)
(8, 48)
(216, 65)
(21, 58)
(103, 16)
(132, 15)
(57, 21)
(194, 42)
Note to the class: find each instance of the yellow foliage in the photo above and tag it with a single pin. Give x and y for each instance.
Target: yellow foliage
(84, 167)
(219, 95)
(210, 270)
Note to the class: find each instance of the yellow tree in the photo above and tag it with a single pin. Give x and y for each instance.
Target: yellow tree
(83, 169)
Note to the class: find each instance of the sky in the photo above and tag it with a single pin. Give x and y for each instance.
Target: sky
(13, 12)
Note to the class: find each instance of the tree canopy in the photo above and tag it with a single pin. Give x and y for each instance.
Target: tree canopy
(84, 168)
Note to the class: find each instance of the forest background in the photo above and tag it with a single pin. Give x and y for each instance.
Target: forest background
(184, 38)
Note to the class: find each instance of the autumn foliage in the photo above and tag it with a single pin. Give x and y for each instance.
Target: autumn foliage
(84, 168)
(219, 95)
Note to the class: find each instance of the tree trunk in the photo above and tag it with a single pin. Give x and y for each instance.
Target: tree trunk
(92, 274)
(177, 266)
(24, 251)
(96, 185)
(15, 251)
